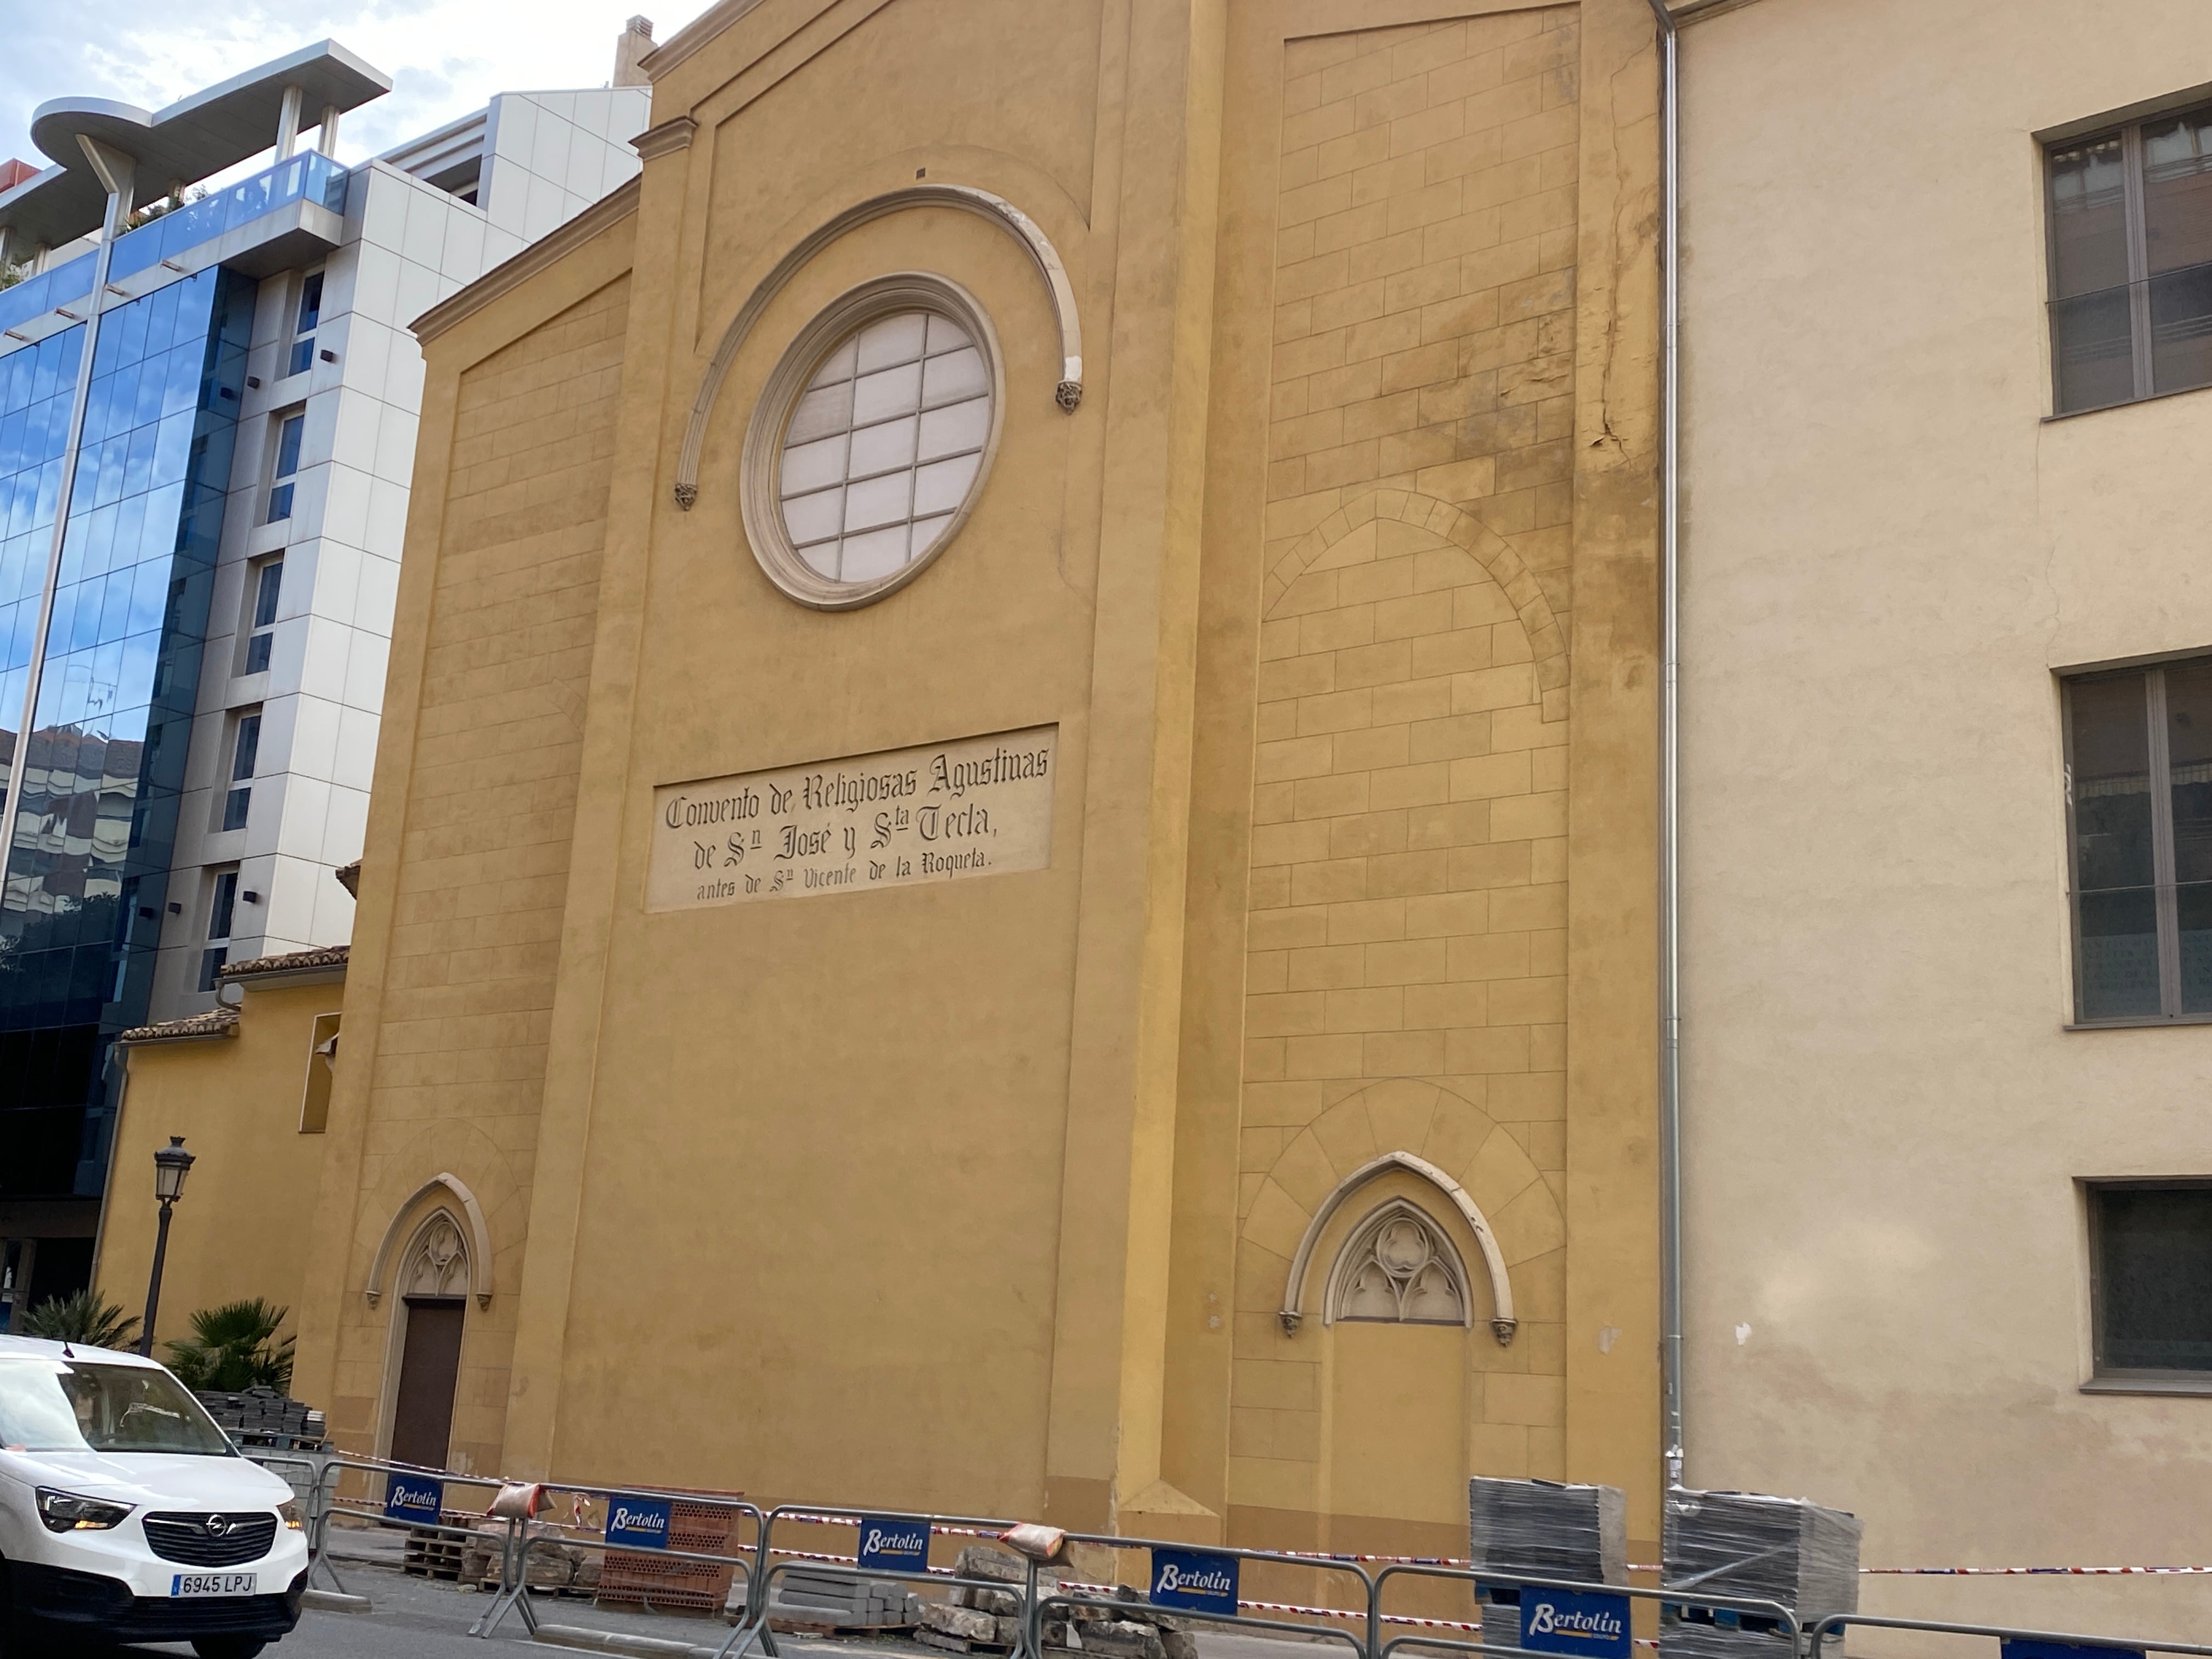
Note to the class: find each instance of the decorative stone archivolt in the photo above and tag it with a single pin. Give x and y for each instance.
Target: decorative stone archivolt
(1547, 640)
(468, 1229)
(995, 210)
(1398, 1268)
(1502, 1323)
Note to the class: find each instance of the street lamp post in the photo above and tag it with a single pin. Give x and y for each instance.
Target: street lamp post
(172, 1163)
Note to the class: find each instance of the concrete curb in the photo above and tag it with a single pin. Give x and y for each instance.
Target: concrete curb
(608, 1641)
(318, 1601)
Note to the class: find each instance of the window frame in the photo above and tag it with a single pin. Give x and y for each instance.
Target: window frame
(215, 948)
(2123, 1379)
(283, 483)
(2165, 888)
(251, 629)
(2128, 127)
(235, 787)
(759, 499)
(300, 337)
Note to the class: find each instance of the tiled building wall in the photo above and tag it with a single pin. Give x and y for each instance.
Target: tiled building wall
(554, 154)
(321, 697)
(1406, 986)
(491, 792)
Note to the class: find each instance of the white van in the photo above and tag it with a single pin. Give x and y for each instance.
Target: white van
(127, 1516)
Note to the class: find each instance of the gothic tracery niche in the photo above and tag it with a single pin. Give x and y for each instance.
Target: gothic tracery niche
(437, 1262)
(1398, 1268)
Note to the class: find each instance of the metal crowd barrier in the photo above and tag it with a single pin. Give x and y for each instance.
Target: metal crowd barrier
(2085, 1647)
(1231, 1617)
(1733, 1606)
(1804, 1637)
(760, 1600)
(513, 1594)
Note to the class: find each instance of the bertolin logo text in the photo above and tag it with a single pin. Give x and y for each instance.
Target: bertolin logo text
(626, 1519)
(413, 1497)
(1595, 1625)
(898, 1540)
(1212, 1579)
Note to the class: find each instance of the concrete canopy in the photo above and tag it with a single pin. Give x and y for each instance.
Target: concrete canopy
(191, 140)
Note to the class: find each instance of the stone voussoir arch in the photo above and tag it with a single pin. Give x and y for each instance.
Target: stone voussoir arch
(1547, 640)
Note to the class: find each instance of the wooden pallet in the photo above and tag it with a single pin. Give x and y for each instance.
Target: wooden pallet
(432, 1555)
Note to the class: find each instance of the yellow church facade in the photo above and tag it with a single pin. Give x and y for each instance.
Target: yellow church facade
(1011, 864)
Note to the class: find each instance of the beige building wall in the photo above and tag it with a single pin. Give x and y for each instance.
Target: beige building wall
(1337, 584)
(245, 1090)
(1889, 552)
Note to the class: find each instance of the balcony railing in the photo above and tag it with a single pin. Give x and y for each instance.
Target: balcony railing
(312, 177)
(35, 294)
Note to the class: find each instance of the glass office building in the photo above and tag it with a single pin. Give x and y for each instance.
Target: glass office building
(103, 768)
(203, 651)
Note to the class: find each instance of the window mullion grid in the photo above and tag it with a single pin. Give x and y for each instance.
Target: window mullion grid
(2161, 848)
(2131, 175)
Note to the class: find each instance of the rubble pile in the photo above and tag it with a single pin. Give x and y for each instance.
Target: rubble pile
(1119, 1632)
(976, 1619)
(553, 1565)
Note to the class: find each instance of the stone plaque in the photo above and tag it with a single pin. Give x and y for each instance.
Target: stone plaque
(976, 806)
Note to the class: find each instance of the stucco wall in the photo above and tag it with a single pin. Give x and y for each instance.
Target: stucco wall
(1888, 553)
(238, 1231)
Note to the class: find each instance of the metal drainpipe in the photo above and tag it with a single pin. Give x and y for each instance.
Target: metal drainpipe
(1670, 748)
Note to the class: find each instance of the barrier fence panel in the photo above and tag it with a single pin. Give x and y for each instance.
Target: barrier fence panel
(1207, 1583)
(2012, 1643)
(652, 1535)
(1554, 1616)
(891, 1545)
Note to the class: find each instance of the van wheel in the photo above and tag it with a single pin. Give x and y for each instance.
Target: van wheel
(228, 1647)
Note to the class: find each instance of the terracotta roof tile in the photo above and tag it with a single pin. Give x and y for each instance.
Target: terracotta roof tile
(327, 956)
(215, 1023)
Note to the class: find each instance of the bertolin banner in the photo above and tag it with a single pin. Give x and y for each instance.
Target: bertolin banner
(1586, 1622)
(414, 1498)
(889, 1544)
(639, 1524)
(1197, 1579)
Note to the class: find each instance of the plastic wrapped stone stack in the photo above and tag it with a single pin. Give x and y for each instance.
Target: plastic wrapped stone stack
(1546, 1529)
(1779, 1549)
(1523, 1530)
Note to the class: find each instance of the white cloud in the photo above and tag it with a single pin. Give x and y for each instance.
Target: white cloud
(445, 56)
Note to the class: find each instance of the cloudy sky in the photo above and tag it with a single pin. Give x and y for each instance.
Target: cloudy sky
(445, 56)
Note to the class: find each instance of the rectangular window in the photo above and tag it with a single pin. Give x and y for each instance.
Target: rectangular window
(303, 328)
(2139, 798)
(289, 430)
(2130, 217)
(266, 586)
(223, 904)
(2151, 1278)
(245, 749)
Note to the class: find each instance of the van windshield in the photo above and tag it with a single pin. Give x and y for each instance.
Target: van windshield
(76, 1405)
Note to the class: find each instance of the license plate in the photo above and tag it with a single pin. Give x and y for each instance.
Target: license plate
(211, 1583)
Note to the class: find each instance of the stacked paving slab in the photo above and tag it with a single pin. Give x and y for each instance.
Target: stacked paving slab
(829, 1600)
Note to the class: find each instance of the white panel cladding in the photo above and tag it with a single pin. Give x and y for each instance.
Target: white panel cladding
(547, 157)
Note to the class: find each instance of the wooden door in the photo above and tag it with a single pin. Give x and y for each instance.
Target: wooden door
(429, 1366)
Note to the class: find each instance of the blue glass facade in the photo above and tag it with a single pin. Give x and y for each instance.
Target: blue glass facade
(88, 856)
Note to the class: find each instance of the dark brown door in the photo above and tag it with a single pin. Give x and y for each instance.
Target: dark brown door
(423, 1420)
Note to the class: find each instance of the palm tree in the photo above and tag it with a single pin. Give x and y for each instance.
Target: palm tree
(87, 1317)
(235, 1345)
